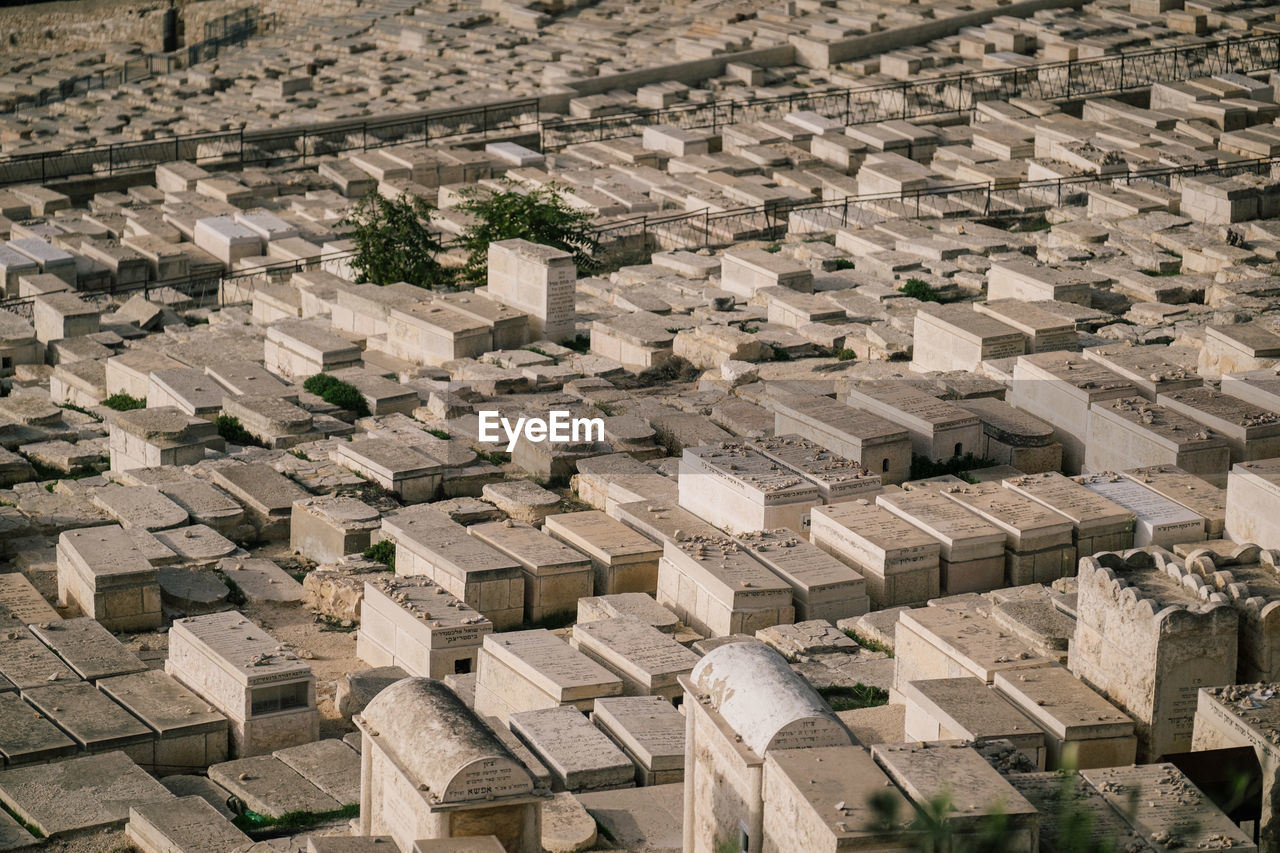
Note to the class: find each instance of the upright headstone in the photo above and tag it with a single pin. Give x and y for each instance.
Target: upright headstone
(538, 280)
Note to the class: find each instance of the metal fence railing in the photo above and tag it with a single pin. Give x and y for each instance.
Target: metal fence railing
(860, 105)
(232, 29)
(947, 94)
(253, 147)
(200, 290)
(716, 229)
(638, 236)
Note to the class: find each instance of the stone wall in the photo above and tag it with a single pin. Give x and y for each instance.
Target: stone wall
(73, 25)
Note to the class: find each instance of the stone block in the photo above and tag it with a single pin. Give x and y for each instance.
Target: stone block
(579, 756)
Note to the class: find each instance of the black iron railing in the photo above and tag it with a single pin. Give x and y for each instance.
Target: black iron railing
(860, 105)
(716, 229)
(944, 95)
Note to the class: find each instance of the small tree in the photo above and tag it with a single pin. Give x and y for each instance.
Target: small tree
(394, 243)
(539, 215)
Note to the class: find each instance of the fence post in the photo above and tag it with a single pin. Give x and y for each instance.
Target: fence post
(111, 158)
(904, 100)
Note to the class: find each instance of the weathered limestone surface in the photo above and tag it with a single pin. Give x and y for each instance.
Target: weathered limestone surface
(1138, 622)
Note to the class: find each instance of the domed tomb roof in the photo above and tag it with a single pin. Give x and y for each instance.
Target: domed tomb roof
(443, 744)
(767, 704)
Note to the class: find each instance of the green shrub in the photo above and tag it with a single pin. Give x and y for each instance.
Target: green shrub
(335, 392)
(382, 552)
(918, 289)
(319, 384)
(869, 645)
(846, 355)
(123, 402)
(842, 264)
(842, 698)
(231, 430)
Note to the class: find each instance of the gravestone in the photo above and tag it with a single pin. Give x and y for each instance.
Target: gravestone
(971, 556)
(647, 660)
(974, 789)
(623, 561)
(579, 756)
(93, 721)
(414, 624)
(1038, 541)
(555, 575)
(92, 792)
(266, 692)
(1082, 729)
(967, 709)
(190, 734)
(1160, 521)
(88, 648)
(899, 562)
(650, 731)
(531, 670)
(104, 574)
(822, 587)
(716, 587)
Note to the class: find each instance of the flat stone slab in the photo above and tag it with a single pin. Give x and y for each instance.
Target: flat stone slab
(806, 638)
(80, 793)
(27, 662)
(648, 728)
(191, 591)
(21, 600)
(160, 701)
(197, 543)
(139, 506)
(27, 737)
(188, 824)
(92, 719)
(200, 786)
(89, 649)
(567, 827)
(522, 500)
(261, 580)
(637, 605)
(648, 819)
(330, 765)
(579, 756)
(270, 787)
(12, 835)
